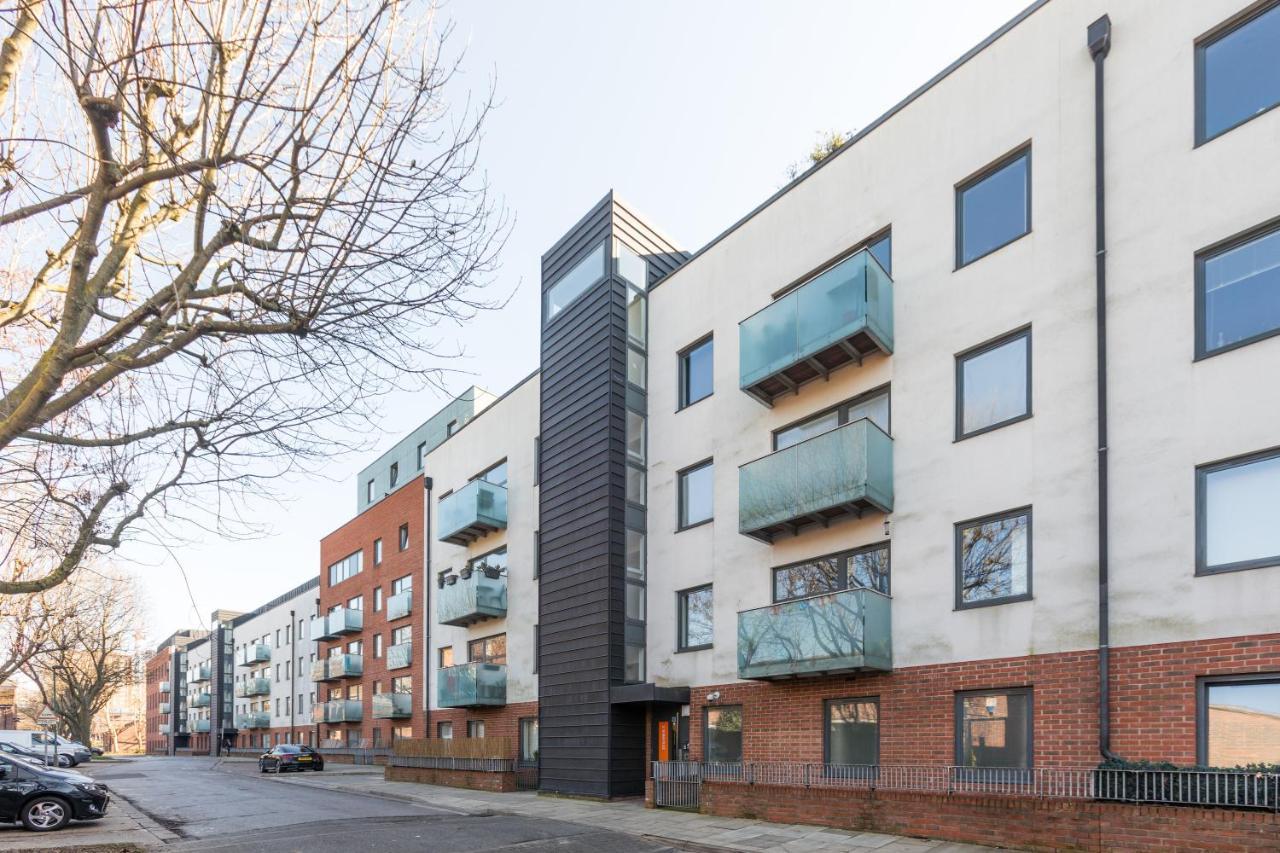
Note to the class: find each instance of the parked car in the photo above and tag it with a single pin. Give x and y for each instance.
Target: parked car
(79, 750)
(45, 744)
(40, 757)
(290, 756)
(44, 799)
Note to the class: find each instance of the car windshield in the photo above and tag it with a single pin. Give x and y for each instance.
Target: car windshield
(288, 747)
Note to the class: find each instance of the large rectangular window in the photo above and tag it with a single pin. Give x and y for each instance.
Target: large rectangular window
(488, 649)
(1238, 513)
(1237, 75)
(994, 208)
(993, 384)
(993, 728)
(722, 734)
(862, 568)
(348, 566)
(697, 493)
(1238, 720)
(873, 406)
(852, 731)
(993, 559)
(695, 618)
(696, 364)
(574, 283)
(1238, 292)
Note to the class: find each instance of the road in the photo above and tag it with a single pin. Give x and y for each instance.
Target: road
(230, 807)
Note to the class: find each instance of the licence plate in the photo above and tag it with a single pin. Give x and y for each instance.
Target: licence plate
(304, 758)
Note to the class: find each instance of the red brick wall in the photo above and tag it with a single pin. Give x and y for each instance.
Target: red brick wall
(382, 520)
(498, 722)
(1153, 713)
(157, 671)
(472, 779)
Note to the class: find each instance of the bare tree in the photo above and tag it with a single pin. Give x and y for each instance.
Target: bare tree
(27, 623)
(91, 653)
(227, 227)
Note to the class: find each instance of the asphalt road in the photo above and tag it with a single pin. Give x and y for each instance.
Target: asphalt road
(231, 808)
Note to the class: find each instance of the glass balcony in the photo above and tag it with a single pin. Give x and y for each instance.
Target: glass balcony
(165, 687)
(320, 670)
(199, 673)
(472, 685)
(317, 712)
(336, 623)
(399, 605)
(200, 726)
(343, 711)
(391, 706)
(200, 700)
(833, 319)
(399, 656)
(476, 510)
(337, 667)
(255, 654)
(166, 729)
(472, 596)
(255, 720)
(166, 708)
(253, 687)
(841, 632)
(844, 472)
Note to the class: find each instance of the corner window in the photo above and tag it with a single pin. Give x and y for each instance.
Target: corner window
(695, 618)
(993, 559)
(574, 283)
(722, 734)
(1237, 720)
(696, 365)
(994, 208)
(395, 474)
(1237, 526)
(993, 384)
(529, 741)
(863, 568)
(404, 536)
(993, 728)
(696, 494)
(1238, 293)
(852, 731)
(1237, 77)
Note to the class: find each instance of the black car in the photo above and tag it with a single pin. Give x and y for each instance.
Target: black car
(290, 756)
(45, 799)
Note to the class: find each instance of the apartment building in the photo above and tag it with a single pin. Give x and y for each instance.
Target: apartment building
(166, 689)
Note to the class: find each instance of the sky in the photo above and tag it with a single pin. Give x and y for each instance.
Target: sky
(691, 111)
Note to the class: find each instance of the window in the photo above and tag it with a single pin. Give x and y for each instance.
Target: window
(402, 732)
(1237, 526)
(404, 536)
(348, 566)
(395, 474)
(1237, 77)
(636, 367)
(574, 283)
(993, 728)
(377, 645)
(631, 267)
(496, 474)
(636, 485)
(993, 559)
(402, 684)
(635, 553)
(355, 647)
(696, 494)
(529, 741)
(993, 384)
(1238, 292)
(873, 406)
(695, 618)
(696, 364)
(1236, 720)
(994, 208)
(494, 561)
(377, 599)
(475, 728)
(355, 602)
(450, 428)
(405, 583)
(722, 738)
(368, 492)
(537, 646)
(637, 310)
(446, 656)
(635, 436)
(488, 649)
(402, 636)
(422, 454)
(444, 730)
(377, 552)
(852, 731)
(862, 568)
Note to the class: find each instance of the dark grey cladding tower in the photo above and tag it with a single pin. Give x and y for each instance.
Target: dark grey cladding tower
(592, 515)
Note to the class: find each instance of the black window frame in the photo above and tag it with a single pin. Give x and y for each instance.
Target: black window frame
(966, 184)
(958, 547)
(520, 741)
(982, 349)
(826, 724)
(393, 474)
(487, 471)
(569, 266)
(1202, 498)
(1203, 683)
(706, 726)
(487, 658)
(958, 712)
(842, 418)
(680, 503)
(1221, 31)
(1208, 253)
(682, 367)
(682, 625)
(844, 557)
(403, 540)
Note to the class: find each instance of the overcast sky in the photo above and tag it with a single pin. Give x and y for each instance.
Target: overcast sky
(690, 111)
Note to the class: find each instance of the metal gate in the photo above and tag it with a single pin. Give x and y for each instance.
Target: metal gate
(676, 784)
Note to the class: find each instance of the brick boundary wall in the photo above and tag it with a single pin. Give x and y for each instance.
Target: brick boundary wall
(476, 780)
(1022, 822)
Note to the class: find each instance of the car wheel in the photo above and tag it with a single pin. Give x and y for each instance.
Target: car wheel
(45, 814)
(64, 760)
(262, 767)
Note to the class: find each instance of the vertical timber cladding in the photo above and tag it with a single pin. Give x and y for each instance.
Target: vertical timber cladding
(587, 746)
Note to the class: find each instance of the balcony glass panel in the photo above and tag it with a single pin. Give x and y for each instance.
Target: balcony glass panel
(846, 471)
(255, 720)
(346, 666)
(253, 687)
(165, 707)
(343, 711)
(831, 320)
(200, 726)
(165, 729)
(320, 669)
(400, 605)
(318, 712)
(320, 628)
(200, 700)
(164, 687)
(472, 685)
(465, 600)
(344, 620)
(399, 656)
(844, 631)
(475, 510)
(254, 654)
(389, 706)
(199, 673)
